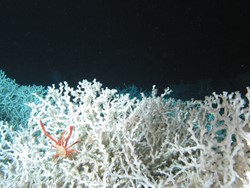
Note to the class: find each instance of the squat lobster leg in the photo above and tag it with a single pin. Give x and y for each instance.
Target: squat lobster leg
(61, 148)
(46, 133)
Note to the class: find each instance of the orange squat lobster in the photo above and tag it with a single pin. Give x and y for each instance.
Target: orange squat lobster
(62, 148)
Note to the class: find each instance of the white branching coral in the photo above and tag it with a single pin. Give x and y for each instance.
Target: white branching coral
(153, 141)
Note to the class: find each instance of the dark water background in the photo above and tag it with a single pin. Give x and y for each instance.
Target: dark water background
(193, 47)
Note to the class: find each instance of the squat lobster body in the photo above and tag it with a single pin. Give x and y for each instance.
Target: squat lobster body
(62, 148)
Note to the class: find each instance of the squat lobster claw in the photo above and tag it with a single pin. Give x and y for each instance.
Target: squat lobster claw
(62, 148)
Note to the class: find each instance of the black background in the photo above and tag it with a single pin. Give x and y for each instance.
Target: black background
(195, 47)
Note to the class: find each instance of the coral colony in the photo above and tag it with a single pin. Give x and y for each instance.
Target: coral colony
(148, 141)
